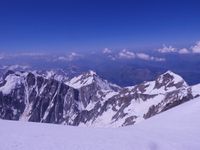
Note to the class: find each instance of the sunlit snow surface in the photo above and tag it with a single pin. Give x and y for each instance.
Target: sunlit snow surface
(176, 129)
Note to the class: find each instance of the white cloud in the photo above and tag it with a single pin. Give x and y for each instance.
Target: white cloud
(166, 49)
(147, 57)
(144, 56)
(196, 48)
(62, 58)
(70, 57)
(73, 56)
(184, 51)
(14, 67)
(159, 59)
(107, 51)
(125, 54)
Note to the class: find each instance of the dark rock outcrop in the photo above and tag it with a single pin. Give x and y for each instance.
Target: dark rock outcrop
(32, 97)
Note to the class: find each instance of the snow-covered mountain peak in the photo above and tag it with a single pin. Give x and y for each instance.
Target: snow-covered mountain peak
(91, 72)
(91, 75)
(166, 82)
(93, 89)
(58, 75)
(10, 82)
(170, 79)
(90, 101)
(12, 79)
(82, 80)
(171, 75)
(86, 79)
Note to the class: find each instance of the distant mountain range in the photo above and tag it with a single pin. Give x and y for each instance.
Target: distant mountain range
(88, 99)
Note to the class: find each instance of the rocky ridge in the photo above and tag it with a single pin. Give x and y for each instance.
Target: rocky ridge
(88, 100)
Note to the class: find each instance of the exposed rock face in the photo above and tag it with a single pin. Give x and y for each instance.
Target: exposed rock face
(93, 89)
(34, 98)
(88, 100)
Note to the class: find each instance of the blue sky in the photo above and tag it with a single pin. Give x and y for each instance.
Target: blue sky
(39, 25)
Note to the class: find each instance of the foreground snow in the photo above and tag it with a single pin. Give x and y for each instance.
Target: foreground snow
(176, 129)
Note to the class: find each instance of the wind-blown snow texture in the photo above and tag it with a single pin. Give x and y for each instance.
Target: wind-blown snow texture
(175, 129)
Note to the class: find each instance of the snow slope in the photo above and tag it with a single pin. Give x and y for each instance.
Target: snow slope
(175, 129)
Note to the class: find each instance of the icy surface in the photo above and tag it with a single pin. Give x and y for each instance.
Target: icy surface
(176, 129)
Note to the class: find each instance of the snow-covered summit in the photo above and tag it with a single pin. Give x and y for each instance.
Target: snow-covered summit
(169, 81)
(88, 78)
(11, 80)
(82, 80)
(59, 75)
(88, 99)
(166, 82)
(10, 83)
(169, 78)
(93, 89)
